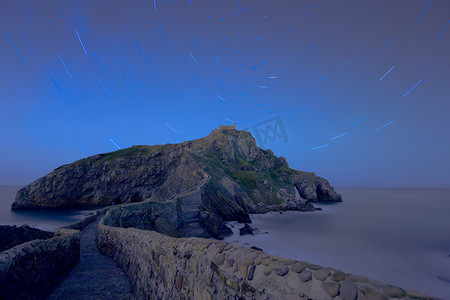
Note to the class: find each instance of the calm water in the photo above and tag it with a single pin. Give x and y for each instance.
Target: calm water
(42, 219)
(399, 236)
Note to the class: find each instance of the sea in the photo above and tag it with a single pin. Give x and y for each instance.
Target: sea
(398, 236)
(44, 219)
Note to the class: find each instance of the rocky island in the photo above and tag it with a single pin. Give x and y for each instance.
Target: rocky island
(237, 178)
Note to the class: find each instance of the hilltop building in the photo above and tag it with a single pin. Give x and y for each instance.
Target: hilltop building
(222, 127)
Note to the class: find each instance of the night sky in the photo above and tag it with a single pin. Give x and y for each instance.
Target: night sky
(361, 88)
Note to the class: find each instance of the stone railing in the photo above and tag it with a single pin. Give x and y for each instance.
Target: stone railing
(32, 270)
(83, 223)
(164, 267)
(147, 215)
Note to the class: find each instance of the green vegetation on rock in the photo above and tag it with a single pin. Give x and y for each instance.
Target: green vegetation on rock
(131, 151)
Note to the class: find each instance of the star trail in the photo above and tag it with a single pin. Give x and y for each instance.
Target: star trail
(412, 88)
(81, 78)
(64, 65)
(387, 72)
(385, 125)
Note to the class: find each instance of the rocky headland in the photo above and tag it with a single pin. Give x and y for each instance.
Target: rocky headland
(236, 177)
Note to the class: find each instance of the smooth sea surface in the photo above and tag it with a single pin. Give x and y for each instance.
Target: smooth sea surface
(398, 236)
(48, 219)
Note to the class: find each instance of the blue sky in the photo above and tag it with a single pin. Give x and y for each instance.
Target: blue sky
(361, 87)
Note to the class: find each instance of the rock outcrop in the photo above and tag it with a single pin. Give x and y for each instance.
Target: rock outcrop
(247, 229)
(241, 179)
(11, 236)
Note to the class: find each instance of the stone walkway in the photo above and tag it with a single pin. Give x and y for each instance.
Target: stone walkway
(191, 201)
(96, 276)
(190, 214)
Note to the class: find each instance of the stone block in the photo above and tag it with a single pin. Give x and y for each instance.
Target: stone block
(321, 274)
(305, 275)
(332, 288)
(298, 267)
(348, 290)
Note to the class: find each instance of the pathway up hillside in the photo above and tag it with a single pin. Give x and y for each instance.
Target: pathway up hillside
(96, 276)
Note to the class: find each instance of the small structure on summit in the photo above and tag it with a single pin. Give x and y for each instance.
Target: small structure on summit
(227, 127)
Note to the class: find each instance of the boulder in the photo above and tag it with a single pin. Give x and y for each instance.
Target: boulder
(246, 229)
(256, 248)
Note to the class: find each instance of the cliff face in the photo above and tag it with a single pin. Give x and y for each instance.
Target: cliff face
(247, 178)
(243, 178)
(129, 175)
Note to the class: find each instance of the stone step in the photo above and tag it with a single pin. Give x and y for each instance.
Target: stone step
(193, 220)
(191, 211)
(192, 197)
(190, 206)
(189, 221)
(191, 202)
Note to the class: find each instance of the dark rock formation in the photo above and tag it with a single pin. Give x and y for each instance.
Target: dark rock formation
(11, 236)
(247, 229)
(243, 179)
(256, 248)
(214, 225)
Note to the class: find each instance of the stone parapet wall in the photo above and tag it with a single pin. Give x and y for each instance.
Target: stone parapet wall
(147, 215)
(163, 267)
(83, 223)
(32, 270)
